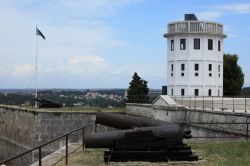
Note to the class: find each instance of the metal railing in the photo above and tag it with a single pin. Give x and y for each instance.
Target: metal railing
(39, 148)
(232, 104)
(195, 26)
(218, 103)
(245, 135)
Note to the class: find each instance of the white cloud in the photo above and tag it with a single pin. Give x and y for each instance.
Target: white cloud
(209, 15)
(73, 53)
(74, 37)
(2, 72)
(230, 32)
(66, 10)
(219, 11)
(93, 60)
(23, 70)
(98, 7)
(231, 35)
(240, 8)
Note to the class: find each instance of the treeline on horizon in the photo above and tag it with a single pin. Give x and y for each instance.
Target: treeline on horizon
(74, 97)
(67, 97)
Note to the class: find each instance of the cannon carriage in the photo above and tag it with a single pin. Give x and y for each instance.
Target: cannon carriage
(140, 139)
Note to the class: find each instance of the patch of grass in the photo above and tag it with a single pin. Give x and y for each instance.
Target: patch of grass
(94, 157)
(73, 109)
(236, 153)
(91, 109)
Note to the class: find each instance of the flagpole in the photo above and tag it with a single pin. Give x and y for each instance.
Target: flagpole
(36, 67)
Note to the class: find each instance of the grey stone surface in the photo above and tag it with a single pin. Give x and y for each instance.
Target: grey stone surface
(24, 129)
(56, 156)
(186, 115)
(228, 104)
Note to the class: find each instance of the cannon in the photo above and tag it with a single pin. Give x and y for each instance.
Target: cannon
(124, 121)
(171, 134)
(45, 103)
(140, 139)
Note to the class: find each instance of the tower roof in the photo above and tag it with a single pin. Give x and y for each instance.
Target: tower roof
(190, 17)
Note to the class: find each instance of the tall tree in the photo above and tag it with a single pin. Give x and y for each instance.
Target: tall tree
(138, 90)
(233, 77)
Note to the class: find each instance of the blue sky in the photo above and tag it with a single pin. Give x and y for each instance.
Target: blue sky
(101, 43)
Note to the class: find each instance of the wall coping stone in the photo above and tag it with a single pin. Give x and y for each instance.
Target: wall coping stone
(36, 111)
(183, 108)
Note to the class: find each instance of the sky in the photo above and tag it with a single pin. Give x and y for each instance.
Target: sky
(101, 43)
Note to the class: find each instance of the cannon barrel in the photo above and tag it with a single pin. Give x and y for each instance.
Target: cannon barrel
(172, 133)
(141, 139)
(124, 121)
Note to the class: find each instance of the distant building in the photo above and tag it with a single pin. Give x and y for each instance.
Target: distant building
(126, 94)
(195, 57)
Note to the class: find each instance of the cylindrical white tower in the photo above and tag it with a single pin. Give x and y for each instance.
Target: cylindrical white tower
(195, 57)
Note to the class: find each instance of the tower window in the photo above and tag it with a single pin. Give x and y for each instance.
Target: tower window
(182, 44)
(182, 92)
(196, 92)
(209, 67)
(172, 92)
(219, 44)
(196, 67)
(182, 74)
(209, 92)
(172, 69)
(218, 68)
(196, 44)
(172, 45)
(182, 67)
(196, 74)
(210, 44)
(210, 74)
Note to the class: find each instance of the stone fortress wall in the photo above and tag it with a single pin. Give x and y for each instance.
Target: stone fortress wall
(22, 129)
(190, 115)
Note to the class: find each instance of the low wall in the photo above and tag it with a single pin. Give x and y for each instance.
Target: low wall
(186, 115)
(22, 129)
(240, 105)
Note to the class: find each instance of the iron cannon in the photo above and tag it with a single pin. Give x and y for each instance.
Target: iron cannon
(124, 121)
(140, 139)
(171, 134)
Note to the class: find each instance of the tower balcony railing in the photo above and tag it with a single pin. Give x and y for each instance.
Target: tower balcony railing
(195, 27)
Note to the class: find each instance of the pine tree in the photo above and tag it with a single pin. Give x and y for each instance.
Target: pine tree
(138, 90)
(233, 77)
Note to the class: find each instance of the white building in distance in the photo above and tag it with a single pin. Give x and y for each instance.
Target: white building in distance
(195, 57)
